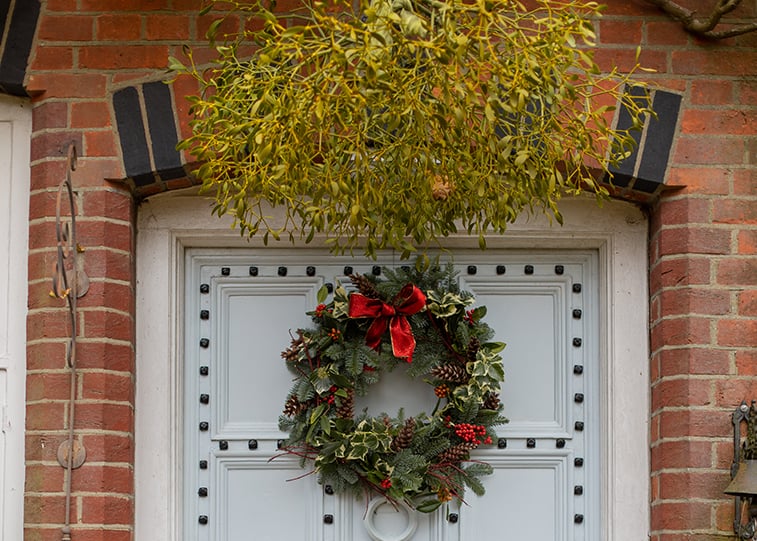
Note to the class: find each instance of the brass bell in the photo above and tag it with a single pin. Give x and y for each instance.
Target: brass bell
(744, 485)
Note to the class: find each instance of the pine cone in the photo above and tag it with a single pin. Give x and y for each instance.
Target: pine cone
(293, 406)
(451, 372)
(492, 402)
(473, 346)
(456, 453)
(346, 409)
(405, 436)
(293, 351)
(365, 286)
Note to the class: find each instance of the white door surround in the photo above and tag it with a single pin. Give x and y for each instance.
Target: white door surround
(170, 225)
(15, 137)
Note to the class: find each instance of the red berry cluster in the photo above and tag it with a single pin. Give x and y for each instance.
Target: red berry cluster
(320, 309)
(472, 433)
(331, 398)
(386, 483)
(335, 334)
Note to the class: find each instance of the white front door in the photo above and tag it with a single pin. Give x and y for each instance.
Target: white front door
(15, 132)
(240, 306)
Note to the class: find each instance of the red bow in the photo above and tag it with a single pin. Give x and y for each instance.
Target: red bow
(409, 301)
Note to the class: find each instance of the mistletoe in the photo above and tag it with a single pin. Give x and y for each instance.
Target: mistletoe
(416, 318)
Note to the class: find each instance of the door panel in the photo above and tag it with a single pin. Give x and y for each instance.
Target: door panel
(526, 499)
(240, 486)
(528, 317)
(395, 391)
(280, 508)
(253, 325)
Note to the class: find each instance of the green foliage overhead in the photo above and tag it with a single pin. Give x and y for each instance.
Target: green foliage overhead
(393, 123)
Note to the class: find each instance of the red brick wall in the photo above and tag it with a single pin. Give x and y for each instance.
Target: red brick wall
(703, 277)
(703, 257)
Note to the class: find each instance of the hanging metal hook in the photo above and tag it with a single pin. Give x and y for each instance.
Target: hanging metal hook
(69, 282)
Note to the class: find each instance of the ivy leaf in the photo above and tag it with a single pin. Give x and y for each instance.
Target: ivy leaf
(357, 452)
(325, 425)
(479, 313)
(493, 347)
(322, 294)
(428, 506)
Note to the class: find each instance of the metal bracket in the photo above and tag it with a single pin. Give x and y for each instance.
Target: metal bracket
(742, 414)
(77, 458)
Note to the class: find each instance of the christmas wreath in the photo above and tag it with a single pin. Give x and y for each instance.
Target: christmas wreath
(414, 315)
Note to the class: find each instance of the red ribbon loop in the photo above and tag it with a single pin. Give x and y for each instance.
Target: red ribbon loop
(408, 301)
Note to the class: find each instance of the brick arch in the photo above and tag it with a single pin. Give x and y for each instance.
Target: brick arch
(149, 125)
(18, 21)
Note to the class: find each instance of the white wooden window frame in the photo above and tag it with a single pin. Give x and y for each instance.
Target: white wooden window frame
(168, 225)
(15, 137)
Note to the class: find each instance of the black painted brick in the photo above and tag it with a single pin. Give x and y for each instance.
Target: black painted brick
(173, 173)
(659, 138)
(646, 186)
(162, 125)
(144, 179)
(5, 6)
(131, 132)
(623, 172)
(18, 43)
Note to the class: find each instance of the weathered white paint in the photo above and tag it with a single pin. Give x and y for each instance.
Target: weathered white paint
(15, 133)
(171, 224)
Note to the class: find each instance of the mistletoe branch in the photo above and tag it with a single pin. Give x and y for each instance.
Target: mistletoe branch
(705, 26)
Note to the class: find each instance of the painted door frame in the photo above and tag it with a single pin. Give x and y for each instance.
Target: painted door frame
(170, 224)
(16, 125)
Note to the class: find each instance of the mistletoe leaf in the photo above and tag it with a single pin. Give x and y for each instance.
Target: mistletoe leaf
(393, 123)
